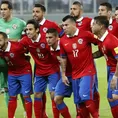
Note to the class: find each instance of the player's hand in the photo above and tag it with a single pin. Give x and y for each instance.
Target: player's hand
(65, 81)
(113, 83)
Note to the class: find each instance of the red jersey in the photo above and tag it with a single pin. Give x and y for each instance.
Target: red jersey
(110, 50)
(16, 60)
(46, 24)
(113, 27)
(79, 52)
(40, 51)
(84, 23)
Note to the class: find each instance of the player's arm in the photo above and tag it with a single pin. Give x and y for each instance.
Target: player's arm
(114, 80)
(97, 54)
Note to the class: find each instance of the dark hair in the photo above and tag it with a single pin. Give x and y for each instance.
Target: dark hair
(53, 31)
(33, 22)
(102, 20)
(116, 8)
(78, 3)
(108, 5)
(8, 3)
(70, 18)
(3, 34)
(41, 6)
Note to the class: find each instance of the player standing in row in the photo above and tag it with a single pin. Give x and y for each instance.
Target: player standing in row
(47, 70)
(77, 42)
(19, 74)
(110, 52)
(44, 24)
(105, 9)
(61, 89)
(13, 27)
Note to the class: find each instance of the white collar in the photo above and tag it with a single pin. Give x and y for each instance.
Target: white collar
(8, 47)
(75, 34)
(58, 47)
(42, 22)
(80, 19)
(104, 36)
(37, 40)
(110, 20)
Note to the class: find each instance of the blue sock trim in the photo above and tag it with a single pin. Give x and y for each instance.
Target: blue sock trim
(61, 106)
(37, 99)
(28, 99)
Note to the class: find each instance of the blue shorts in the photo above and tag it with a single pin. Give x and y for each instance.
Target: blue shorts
(109, 90)
(20, 84)
(96, 84)
(83, 88)
(40, 82)
(62, 89)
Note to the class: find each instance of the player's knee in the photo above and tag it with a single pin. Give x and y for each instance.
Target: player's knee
(38, 95)
(58, 99)
(110, 100)
(52, 95)
(115, 97)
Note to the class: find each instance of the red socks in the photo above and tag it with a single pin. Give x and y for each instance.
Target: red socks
(114, 111)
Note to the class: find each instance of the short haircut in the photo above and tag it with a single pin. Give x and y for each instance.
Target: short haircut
(53, 31)
(78, 3)
(33, 22)
(40, 6)
(69, 17)
(102, 20)
(116, 8)
(4, 35)
(8, 3)
(108, 6)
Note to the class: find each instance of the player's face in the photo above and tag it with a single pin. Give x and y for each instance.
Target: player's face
(51, 39)
(31, 31)
(116, 15)
(38, 14)
(68, 27)
(95, 27)
(5, 11)
(2, 42)
(102, 11)
(75, 11)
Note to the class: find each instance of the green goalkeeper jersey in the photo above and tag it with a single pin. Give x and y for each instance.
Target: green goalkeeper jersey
(13, 28)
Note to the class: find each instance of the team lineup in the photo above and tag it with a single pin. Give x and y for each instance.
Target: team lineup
(63, 61)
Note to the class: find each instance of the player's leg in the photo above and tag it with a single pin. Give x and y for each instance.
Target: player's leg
(53, 79)
(62, 91)
(26, 91)
(112, 96)
(40, 85)
(14, 90)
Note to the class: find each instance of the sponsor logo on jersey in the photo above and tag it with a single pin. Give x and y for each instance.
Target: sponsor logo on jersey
(45, 29)
(74, 45)
(110, 27)
(7, 31)
(80, 41)
(37, 50)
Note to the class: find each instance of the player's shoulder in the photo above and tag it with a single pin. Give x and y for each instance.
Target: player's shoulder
(87, 18)
(21, 21)
(50, 22)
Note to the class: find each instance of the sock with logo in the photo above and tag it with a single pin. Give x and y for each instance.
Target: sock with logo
(63, 109)
(12, 106)
(90, 105)
(55, 110)
(38, 107)
(28, 106)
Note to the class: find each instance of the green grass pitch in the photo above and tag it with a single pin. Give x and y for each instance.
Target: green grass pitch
(104, 106)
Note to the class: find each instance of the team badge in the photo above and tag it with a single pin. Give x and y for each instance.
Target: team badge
(42, 45)
(45, 29)
(110, 27)
(79, 23)
(74, 45)
(37, 50)
(7, 31)
(11, 55)
(80, 41)
(14, 26)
